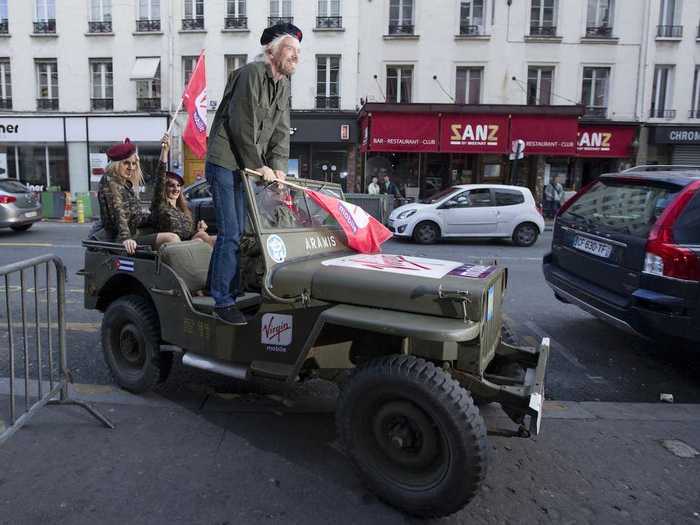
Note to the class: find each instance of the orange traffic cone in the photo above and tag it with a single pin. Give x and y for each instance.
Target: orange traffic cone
(68, 209)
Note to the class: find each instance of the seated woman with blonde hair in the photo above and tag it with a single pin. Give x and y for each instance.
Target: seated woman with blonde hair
(120, 209)
(169, 208)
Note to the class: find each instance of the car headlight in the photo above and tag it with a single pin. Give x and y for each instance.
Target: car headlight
(405, 214)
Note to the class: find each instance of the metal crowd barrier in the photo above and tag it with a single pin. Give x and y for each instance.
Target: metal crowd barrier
(58, 374)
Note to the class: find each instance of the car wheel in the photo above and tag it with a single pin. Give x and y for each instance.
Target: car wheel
(130, 342)
(525, 234)
(21, 227)
(414, 435)
(426, 233)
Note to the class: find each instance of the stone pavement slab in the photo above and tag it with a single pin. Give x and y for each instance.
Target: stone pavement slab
(223, 462)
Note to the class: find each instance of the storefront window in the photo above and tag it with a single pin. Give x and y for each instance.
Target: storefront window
(38, 165)
(559, 168)
(330, 166)
(402, 168)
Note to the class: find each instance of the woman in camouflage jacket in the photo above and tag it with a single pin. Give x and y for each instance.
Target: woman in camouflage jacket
(120, 209)
(169, 208)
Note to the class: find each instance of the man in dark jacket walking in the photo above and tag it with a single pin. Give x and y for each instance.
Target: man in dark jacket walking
(390, 188)
(250, 130)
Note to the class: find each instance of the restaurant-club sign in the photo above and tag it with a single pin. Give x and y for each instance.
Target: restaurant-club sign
(474, 133)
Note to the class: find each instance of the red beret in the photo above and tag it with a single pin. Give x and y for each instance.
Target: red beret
(176, 176)
(121, 151)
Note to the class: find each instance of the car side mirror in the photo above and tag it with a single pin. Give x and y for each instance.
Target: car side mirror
(448, 204)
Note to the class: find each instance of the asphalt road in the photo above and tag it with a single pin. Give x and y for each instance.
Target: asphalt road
(591, 361)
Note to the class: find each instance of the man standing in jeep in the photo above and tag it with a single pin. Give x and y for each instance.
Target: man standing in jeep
(250, 130)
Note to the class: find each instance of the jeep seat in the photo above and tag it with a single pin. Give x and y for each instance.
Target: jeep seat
(190, 261)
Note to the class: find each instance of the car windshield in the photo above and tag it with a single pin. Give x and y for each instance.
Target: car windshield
(629, 208)
(282, 207)
(436, 197)
(12, 186)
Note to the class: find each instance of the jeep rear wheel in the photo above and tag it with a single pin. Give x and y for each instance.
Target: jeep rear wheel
(426, 233)
(414, 434)
(130, 342)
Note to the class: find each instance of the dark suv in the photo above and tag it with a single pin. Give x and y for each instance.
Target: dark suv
(626, 248)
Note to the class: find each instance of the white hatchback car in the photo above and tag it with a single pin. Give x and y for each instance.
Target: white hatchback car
(471, 210)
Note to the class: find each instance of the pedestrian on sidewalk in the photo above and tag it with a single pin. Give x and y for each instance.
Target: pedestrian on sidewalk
(553, 197)
(250, 130)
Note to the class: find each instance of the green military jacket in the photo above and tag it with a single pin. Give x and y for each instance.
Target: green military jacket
(251, 126)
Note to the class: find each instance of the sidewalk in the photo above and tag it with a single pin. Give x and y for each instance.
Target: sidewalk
(203, 457)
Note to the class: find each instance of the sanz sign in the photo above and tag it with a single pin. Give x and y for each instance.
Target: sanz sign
(605, 141)
(474, 133)
(671, 135)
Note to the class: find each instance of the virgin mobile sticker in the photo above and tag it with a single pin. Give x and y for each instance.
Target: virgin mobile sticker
(475, 271)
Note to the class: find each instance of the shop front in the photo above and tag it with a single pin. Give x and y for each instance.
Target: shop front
(66, 153)
(427, 147)
(602, 148)
(678, 145)
(323, 147)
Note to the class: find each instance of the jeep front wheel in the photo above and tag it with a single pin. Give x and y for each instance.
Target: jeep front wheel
(414, 434)
(130, 342)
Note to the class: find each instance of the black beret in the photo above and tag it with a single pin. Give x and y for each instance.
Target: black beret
(273, 32)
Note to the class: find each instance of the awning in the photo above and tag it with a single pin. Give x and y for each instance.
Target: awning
(605, 141)
(145, 68)
(400, 132)
(545, 135)
(474, 133)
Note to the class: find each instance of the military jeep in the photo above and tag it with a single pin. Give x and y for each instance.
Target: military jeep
(412, 342)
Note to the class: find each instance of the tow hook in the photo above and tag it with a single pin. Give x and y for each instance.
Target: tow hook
(461, 296)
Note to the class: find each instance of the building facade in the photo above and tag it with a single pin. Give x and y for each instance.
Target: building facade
(431, 93)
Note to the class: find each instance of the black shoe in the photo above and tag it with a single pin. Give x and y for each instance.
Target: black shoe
(230, 315)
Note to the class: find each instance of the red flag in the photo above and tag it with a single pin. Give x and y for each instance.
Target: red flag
(365, 233)
(195, 101)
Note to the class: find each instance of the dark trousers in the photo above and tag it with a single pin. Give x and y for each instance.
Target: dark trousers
(230, 207)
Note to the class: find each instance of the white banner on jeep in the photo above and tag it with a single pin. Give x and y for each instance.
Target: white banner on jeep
(402, 264)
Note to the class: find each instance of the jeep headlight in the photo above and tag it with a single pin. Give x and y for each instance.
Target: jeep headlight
(405, 214)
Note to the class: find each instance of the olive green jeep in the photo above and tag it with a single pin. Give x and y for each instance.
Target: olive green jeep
(412, 342)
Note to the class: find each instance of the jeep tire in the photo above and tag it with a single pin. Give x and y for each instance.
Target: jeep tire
(414, 435)
(131, 344)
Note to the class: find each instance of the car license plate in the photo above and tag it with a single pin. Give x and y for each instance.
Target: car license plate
(30, 214)
(600, 249)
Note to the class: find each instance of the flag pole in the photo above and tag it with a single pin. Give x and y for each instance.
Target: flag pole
(177, 112)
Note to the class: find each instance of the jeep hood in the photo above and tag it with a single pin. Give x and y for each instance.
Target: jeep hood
(396, 282)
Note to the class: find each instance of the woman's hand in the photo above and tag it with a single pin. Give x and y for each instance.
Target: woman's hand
(164, 147)
(130, 246)
(202, 226)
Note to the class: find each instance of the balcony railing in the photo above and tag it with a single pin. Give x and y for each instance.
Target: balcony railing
(148, 104)
(467, 29)
(147, 26)
(329, 22)
(102, 104)
(47, 103)
(274, 20)
(5, 103)
(694, 113)
(546, 31)
(596, 112)
(669, 31)
(4, 26)
(192, 24)
(100, 27)
(327, 102)
(662, 113)
(401, 29)
(599, 31)
(236, 22)
(45, 26)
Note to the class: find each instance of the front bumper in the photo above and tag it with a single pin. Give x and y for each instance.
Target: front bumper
(645, 312)
(400, 228)
(522, 397)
